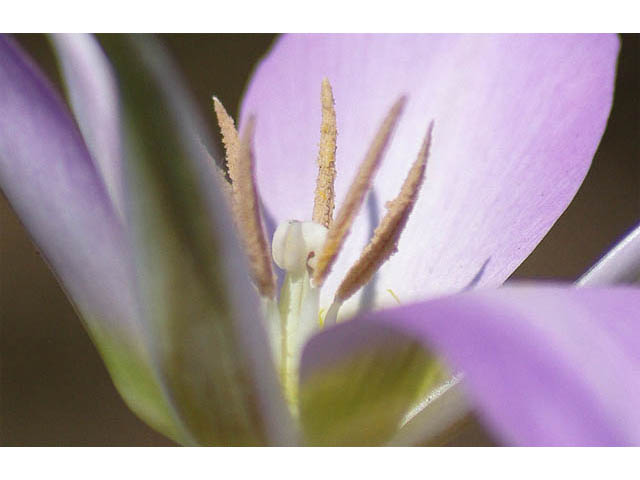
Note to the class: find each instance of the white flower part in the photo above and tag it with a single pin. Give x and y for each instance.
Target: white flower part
(294, 248)
(295, 243)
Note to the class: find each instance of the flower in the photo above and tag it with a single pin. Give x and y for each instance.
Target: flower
(130, 216)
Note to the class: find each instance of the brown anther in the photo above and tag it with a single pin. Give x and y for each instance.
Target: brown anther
(385, 238)
(230, 141)
(228, 130)
(245, 200)
(323, 203)
(355, 195)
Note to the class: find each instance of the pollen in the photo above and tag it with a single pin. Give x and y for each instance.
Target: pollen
(356, 193)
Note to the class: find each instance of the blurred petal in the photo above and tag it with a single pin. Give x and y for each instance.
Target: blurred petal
(620, 265)
(542, 365)
(207, 330)
(48, 176)
(92, 92)
(357, 385)
(517, 121)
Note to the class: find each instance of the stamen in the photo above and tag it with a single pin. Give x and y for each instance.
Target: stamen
(230, 141)
(331, 317)
(385, 238)
(323, 203)
(355, 196)
(246, 208)
(228, 130)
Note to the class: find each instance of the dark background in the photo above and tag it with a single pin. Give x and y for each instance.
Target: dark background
(54, 387)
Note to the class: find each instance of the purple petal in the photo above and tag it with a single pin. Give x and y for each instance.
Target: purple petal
(92, 92)
(48, 177)
(517, 121)
(620, 265)
(543, 365)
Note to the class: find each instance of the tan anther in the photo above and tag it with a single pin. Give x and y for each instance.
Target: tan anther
(385, 239)
(245, 200)
(228, 130)
(323, 203)
(355, 195)
(230, 141)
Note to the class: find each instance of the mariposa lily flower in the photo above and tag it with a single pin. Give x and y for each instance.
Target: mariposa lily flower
(208, 347)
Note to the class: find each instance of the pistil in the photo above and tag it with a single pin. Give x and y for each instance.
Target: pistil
(294, 247)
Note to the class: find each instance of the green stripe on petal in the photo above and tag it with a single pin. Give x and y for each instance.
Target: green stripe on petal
(203, 314)
(357, 385)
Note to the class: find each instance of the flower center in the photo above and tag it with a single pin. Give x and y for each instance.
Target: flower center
(306, 251)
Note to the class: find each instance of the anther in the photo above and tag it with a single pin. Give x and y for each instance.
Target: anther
(355, 195)
(228, 130)
(323, 203)
(385, 238)
(230, 141)
(245, 200)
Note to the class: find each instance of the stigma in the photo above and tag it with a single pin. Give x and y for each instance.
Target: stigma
(295, 245)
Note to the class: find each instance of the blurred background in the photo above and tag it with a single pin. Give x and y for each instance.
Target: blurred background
(54, 389)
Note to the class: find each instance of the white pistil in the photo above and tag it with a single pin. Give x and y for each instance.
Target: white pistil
(294, 246)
